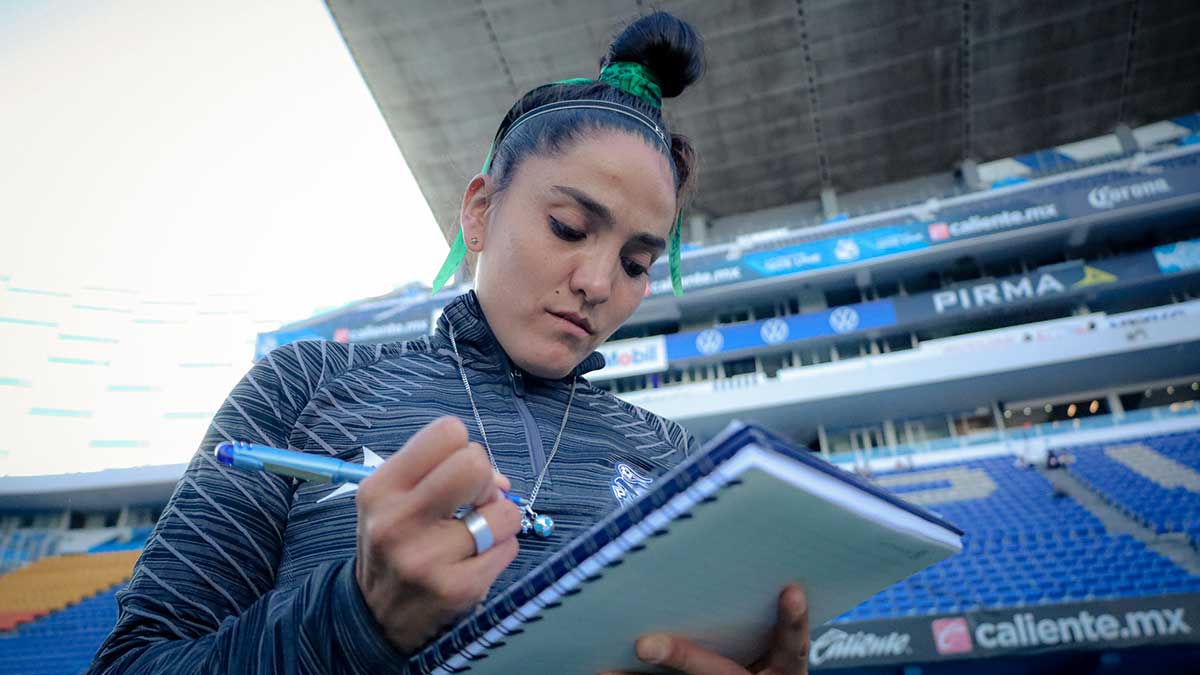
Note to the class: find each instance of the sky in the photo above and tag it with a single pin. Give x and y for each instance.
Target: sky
(177, 177)
(215, 146)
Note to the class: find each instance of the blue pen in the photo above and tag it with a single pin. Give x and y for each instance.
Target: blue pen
(254, 457)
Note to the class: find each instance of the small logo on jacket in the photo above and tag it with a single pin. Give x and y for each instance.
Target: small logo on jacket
(369, 459)
(627, 484)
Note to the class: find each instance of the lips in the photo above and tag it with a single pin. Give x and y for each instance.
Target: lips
(577, 319)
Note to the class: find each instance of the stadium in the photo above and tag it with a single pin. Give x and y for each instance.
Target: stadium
(950, 247)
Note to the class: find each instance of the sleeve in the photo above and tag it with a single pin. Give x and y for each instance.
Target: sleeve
(677, 437)
(202, 597)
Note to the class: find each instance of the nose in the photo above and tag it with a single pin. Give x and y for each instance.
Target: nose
(593, 277)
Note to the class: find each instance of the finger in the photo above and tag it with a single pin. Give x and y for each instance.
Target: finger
(483, 569)
(446, 541)
(502, 482)
(790, 642)
(426, 449)
(503, 519)
(679, 653)
(465, 477)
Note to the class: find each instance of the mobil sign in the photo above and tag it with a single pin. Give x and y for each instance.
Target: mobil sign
(632, 357)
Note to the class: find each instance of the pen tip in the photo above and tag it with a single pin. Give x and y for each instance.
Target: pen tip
(224, 453)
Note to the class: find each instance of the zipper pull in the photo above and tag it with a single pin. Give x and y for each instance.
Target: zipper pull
(518, 381)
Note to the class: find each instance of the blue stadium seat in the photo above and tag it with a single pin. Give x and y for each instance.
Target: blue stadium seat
(1162, 508)
(63, 642)
(1026, 547)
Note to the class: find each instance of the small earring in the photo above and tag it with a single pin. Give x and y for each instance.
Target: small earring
(474, 241)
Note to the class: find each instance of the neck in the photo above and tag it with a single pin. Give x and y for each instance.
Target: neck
(466, 317)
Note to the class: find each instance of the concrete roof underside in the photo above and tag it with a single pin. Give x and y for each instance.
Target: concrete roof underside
(799, 94)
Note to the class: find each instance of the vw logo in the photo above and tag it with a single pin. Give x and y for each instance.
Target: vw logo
(843, 319)
(845, 249)
(774, 331)
(710, 341)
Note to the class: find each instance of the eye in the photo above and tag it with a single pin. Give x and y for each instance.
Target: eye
(564, 232)
(633, 269)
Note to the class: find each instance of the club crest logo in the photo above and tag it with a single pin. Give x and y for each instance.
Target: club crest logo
(369, 459)
(627, 484)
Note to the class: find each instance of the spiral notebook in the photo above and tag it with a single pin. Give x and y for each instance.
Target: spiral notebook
(704, 553)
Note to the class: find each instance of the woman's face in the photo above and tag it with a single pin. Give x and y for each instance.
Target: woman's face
(566, 249)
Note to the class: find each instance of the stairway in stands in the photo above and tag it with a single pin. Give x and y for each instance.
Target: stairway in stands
(53, 583)
(1148, 488)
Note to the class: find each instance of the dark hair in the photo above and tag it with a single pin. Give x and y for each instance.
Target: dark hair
(668, 47)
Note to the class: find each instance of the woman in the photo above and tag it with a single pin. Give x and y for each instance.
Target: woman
(256, 573)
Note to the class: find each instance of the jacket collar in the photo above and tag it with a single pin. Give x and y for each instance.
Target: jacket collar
(476, 343)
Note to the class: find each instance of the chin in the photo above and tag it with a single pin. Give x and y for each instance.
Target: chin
(552, 363)
(548, 373)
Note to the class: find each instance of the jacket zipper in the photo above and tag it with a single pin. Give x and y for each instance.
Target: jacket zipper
(537, 453)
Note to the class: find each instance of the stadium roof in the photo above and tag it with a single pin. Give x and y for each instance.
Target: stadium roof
(799, 94)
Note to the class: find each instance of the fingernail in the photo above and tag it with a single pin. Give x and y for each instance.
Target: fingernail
(794, 603)
(653, 649)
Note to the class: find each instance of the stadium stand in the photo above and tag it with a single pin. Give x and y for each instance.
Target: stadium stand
(52, 583)
(25, 546)
(1025, 546)
(133, 542)
(63, 642)
(1155, 480)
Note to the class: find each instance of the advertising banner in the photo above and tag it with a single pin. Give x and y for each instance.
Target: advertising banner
(1116, 190)
(962, 223)
(781, 330)
(1019, 290)
(835, 251)
(624, 358)
(1182, 256)
(1145, 324)
(1113, 624)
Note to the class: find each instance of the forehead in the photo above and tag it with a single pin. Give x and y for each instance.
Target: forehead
(618, 169)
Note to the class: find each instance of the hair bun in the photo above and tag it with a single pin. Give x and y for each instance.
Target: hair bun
(668, 47)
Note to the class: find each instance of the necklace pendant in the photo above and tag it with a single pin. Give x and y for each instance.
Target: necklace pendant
(543, 526)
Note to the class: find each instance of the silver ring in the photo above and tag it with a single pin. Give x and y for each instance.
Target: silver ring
(477, 525)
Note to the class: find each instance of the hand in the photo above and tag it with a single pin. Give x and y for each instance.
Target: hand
(416, 564)
(788, 654)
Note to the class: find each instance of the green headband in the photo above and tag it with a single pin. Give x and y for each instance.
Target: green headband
(632, 78)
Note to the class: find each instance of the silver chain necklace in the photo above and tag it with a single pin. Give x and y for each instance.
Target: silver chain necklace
(542, 525)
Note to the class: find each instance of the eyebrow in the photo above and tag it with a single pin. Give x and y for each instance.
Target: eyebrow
(603, 215)
(598, 210)
(655, 245)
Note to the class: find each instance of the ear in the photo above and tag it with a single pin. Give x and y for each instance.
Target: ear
(473, 216)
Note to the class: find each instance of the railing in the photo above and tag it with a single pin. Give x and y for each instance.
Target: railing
(1177, 410)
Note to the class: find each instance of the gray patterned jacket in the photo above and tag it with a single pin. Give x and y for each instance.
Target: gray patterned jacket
(254, 573)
